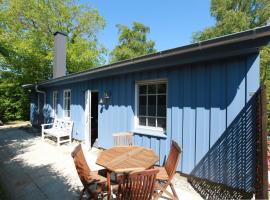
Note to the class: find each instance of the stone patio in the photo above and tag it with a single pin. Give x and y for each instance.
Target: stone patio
(31, 168)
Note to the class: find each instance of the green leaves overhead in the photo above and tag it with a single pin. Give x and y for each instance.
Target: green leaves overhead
(27, 42)
(132, 42)
(27, 27)
(234, 16)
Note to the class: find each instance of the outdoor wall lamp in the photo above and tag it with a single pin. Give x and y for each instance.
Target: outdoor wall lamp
(101, 100)
(106, 98)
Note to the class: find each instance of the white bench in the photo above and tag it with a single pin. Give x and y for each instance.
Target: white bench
(59, 129)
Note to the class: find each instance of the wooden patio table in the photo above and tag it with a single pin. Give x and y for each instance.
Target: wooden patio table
(124, 159)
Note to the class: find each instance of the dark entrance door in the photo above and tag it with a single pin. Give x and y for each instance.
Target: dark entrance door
(94, 118)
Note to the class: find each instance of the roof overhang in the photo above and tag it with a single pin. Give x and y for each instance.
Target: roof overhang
(241, 43)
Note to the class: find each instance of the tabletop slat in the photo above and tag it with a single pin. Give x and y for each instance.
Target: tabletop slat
(127, 158)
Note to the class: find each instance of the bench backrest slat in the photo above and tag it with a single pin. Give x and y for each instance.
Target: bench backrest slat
(65, 125)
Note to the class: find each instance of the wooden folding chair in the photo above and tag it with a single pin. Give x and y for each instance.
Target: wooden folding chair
(137, 185)
(123, 139)
(87, 177)
(166, 173)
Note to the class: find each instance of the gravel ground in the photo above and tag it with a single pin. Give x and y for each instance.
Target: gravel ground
(38, 169)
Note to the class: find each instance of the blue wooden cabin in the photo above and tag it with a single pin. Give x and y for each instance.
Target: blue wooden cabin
(200, 95)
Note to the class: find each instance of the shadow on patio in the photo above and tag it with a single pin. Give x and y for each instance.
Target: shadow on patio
(33, 169)
(27, 172)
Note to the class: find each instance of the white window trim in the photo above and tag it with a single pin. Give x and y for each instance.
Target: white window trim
(54, 107)
(66, 90)
(154, 130)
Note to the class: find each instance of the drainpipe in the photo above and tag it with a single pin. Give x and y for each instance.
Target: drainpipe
(44, 93)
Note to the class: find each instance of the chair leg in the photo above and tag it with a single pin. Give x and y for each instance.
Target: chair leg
(92, 195)
(169, 194)
(81, 193)
(163, 189)
(159, 194)
(58, 141)
(174, 192)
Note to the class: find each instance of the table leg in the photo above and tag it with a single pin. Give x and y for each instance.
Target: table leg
(109, 183)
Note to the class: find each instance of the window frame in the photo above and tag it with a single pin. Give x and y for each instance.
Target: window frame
(55, 102)
(149, 82)
(64, 110)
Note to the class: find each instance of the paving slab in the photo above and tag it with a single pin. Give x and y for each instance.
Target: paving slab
(38, 169)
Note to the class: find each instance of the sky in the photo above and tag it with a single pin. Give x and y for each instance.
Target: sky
(171, 22)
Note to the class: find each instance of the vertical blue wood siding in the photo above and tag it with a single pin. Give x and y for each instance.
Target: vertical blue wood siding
(230, 158)
(209, 113)
(34, 113)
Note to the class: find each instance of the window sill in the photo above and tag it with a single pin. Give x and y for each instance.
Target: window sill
(154, 133)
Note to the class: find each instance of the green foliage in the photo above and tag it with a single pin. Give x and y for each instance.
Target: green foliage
(14, 99)
(234, 16)
(265, 77)
(26, 45)
(132, 43)
(238, 15)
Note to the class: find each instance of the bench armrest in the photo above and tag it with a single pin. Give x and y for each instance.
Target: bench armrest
(43, 125)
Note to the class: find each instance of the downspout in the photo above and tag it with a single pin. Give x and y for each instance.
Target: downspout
(44, 93)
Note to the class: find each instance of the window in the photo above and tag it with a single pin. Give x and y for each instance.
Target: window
(67, 102)
(55, 103)
(152, 105)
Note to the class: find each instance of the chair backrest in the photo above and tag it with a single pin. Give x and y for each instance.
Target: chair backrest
(123, 139)
(137, 185)
(173, 159)
(81, 165)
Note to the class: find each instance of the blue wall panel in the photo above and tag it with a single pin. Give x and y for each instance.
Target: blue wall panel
(34, 109)
(217, 101)
(176, 83)
(202, 111)
(188, 121)
(235, 89)
(230, 159)
(209, 113)
(129, 95)
(252, 83)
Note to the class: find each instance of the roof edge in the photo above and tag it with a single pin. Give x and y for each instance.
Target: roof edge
(250, 34)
